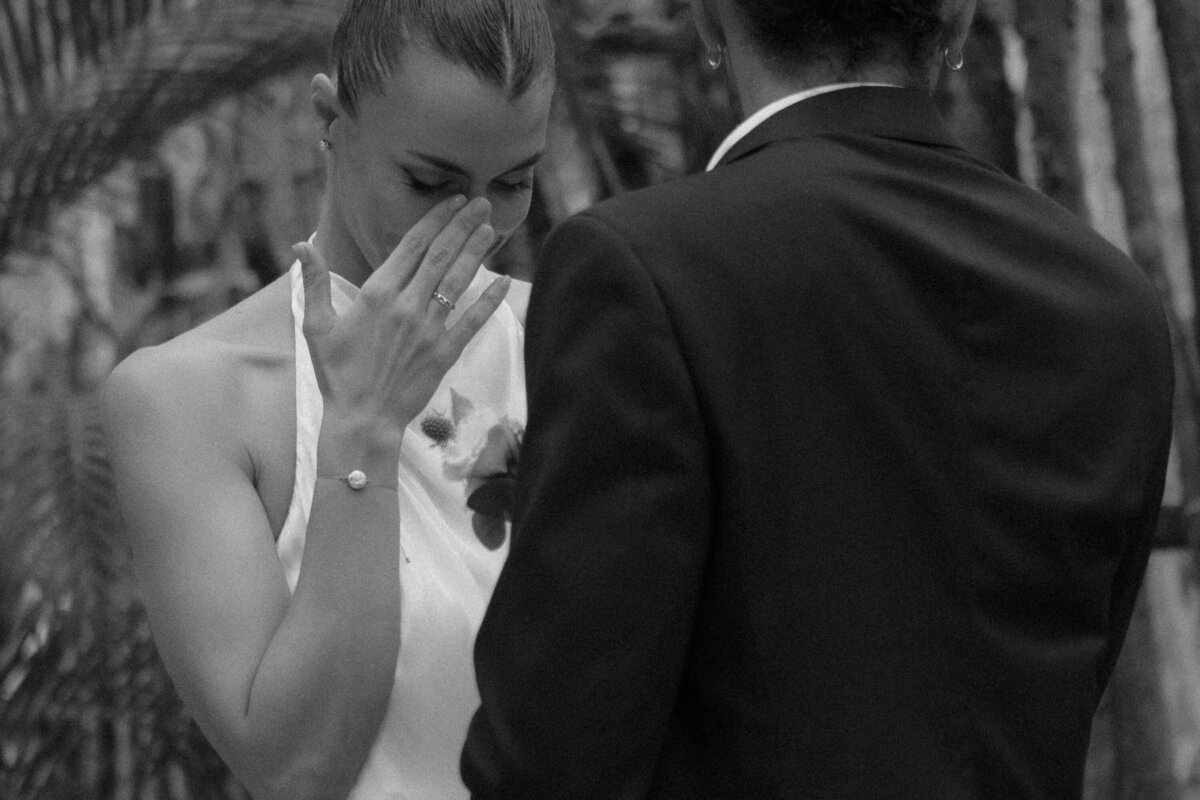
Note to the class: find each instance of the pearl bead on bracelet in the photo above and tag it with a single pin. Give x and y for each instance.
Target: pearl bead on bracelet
(358, 480)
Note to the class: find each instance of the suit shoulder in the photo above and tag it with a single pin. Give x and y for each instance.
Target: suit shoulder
(648, 208)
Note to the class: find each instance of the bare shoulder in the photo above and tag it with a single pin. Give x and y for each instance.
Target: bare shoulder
(176, 381)
(204, 383)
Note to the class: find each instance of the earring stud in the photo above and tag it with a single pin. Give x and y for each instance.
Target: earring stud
(954, 62)
(325, 145)
(715, 57)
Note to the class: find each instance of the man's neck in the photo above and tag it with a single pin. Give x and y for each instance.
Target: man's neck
(756, 86)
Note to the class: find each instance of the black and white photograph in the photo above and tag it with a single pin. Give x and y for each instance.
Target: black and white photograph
(599, 400)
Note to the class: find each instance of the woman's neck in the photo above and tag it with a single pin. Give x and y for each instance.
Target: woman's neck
(341, 253)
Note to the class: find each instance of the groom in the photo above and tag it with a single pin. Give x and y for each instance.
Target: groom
(842, 461)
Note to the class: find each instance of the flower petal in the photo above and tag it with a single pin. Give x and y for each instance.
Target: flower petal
(460, 407)
(491, 531)
(494, 497)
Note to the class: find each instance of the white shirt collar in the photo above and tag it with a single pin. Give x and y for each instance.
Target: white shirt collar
(770, 110)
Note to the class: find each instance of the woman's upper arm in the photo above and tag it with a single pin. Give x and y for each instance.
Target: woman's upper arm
(203, 549)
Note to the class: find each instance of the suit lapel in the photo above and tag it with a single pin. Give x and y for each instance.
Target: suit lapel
(906, 114)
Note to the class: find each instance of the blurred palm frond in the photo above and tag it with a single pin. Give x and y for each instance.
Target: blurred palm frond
(85, 704)
(84, 83)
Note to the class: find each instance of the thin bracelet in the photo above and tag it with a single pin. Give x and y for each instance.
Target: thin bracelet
(357, 480)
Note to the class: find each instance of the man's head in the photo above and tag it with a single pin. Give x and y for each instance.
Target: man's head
(506, 43)
(842, 40)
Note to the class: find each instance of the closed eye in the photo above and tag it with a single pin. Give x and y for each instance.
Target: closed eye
(523, 185)
(427, 188)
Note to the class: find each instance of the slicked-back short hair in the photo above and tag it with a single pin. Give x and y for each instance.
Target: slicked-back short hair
(789, 32)
(507, 43)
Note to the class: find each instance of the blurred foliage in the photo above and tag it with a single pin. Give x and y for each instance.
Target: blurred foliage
(84, 83)
(85, 707)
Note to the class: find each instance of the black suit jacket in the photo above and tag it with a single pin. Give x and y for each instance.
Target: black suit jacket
(839, 480)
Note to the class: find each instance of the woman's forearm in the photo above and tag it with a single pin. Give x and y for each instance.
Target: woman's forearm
(323, 685)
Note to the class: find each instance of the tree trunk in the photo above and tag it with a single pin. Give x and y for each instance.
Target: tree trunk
(1146, 235)
(1143, 735)
(1048, 28)
(1143, 762)
(1179, 21)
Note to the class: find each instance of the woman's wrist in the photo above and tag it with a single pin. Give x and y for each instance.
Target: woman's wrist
(348, 445)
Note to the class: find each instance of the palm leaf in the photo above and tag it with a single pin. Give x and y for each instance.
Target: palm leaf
(86, 709)
(46, 42)
(84, 84)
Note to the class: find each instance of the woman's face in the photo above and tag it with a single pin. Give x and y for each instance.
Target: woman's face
(437, 130)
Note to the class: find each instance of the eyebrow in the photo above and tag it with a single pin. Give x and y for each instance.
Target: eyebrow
(450, 166)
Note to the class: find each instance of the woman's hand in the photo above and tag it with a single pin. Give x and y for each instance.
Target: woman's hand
(380, 363)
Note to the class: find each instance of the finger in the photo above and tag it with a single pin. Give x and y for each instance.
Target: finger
(463, 331)
(397, 270)
(319, 315)
(446, 248)
(465, 267)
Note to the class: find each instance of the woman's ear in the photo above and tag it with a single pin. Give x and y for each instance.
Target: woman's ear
(325, 101)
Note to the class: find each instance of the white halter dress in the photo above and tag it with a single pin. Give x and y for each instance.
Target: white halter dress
(447, 573)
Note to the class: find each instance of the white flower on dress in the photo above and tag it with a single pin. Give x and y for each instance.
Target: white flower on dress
(481, 447)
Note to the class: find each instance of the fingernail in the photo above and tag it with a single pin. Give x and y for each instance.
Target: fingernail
(458, 201)
(480, 205)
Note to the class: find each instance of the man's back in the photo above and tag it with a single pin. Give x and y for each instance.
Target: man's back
(880, 437)
(937, 407)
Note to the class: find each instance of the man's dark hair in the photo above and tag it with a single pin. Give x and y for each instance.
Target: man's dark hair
(853, 32)
(507, 43)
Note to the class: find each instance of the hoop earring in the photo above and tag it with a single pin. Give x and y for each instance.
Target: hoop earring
(953, 62)
(715, 58)
(325, 145)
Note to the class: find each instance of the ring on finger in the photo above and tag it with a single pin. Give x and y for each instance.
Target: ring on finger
(445, 301)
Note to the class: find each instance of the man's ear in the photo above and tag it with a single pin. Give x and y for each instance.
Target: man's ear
(325, 101)
(708, 25)
(958, 24)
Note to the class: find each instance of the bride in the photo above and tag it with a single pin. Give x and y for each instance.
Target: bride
(294, 473)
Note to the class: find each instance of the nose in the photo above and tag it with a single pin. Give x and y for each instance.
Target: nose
(477, 189)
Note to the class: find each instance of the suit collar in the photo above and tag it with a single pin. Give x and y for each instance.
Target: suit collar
(885, 112)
